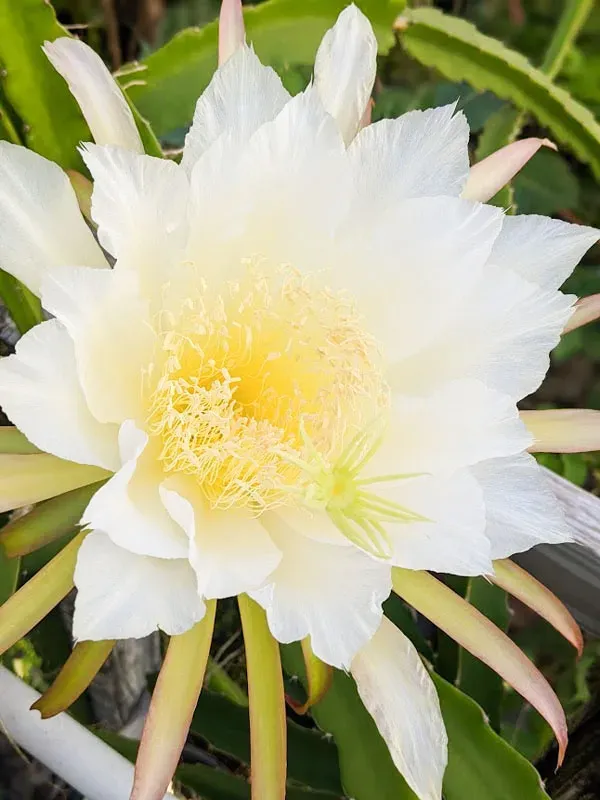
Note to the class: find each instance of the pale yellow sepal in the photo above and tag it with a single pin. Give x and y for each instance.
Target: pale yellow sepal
(47, 522)
(563, 430)
(171, 709)
(268, 731)
(30, 604)
(76, 675)
(318, 675)
(477, 634)
(520, 584)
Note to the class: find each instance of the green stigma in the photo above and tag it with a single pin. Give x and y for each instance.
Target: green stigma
(359, 513)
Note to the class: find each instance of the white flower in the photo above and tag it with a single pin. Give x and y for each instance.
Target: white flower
(302, 369)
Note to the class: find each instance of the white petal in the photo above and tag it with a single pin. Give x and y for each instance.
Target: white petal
(291, 178)
(332, 594)
(139, 203)
(543, 250)
(121, 595)
(41, 394)
(114, 341)
(345, 67)
(97, 93)
(242, 95)
(397, 691)
(453, 539)
(230, 551)
(459, 424)
(521, 509)
(428, 253)
(420, 154)
(40, 223)
(502, 334)
(129, 509)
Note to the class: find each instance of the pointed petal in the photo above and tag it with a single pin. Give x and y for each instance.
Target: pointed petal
(139, 204)
(487, 177)
(397, 691)
(532, 515)
(542, 250)
(109, 322)
(74, 678)
(97, 93)
(587, 310)
(520, 584)
(268, 729)
(129, 508)
(40, 383)
(242, 95)
(173, 702)
(345, 67)
(391, 159)
(318, 675)
(41, 226)
(332, 593)
(29, 479)
(473, 631)
(563, 430)
(232, 33)
(46, 522)
(121, 595)
(30, 604)
(230, 551)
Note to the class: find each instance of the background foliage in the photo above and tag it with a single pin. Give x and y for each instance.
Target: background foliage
(516, 67)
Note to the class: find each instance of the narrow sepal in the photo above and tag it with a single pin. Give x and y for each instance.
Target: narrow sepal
(563, 430)
(520, 584)
(473, 631)
(30, 604)
(173, 702)
(76, 675)
(267, 704)
(318, 675)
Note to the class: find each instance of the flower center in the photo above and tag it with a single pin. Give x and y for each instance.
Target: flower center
(248, 376)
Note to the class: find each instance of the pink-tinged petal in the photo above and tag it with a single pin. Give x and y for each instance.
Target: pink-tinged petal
(98, 94)
(232, 33)
(489, 176)
(477, 634)
(29, 479)
(173, 702)
(586, 310)
(318, 675)
(30, 604)
(76, 675)
(267, 704)
(563, 430)
(367, 116)
(520, 584)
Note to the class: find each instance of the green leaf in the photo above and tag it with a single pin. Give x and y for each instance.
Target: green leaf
(460, 52)
(166, 85)
(312, 759)
(24, 307)
(212, 784)
(546, 185)
(53, 123)
(480, 763)
(366, 767)
(215, 785)
(475, 678)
